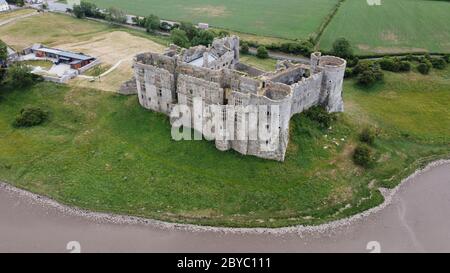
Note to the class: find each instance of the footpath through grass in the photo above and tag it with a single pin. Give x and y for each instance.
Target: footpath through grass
(103, 152)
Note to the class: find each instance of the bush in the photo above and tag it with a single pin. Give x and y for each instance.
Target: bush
(363, 156)
(390, 64)
(405, 66)
(30, 116)
(18, 76)
(366, 78)
(352, 62)
(348, 73)
(438, 63)
(180, 38)
(424, 67)
(342, 48)
(321, 116)
(446, 58)
(367, 136)
(262, 52)
(244, 48)
(152, 23)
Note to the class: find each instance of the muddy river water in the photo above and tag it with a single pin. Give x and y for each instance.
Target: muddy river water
(417, 220)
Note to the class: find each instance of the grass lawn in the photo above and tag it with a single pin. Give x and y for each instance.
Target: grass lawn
(104, 152)
(43, 64)
(287, 19)
(8, 15)
(263, 64)
(394, 26)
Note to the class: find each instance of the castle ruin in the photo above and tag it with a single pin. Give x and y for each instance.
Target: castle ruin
(212, 73)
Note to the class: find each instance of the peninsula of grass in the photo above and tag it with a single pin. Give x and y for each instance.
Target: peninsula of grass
(103, 152)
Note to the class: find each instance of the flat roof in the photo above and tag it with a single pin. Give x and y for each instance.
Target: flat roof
(66, 54)
(199, 61)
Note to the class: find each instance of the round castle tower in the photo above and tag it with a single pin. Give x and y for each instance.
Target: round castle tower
(333, 69)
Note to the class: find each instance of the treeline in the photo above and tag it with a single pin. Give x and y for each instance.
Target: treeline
(19, 3)
(368, 72)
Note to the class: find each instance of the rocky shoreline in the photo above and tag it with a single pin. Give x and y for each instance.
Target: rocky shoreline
(299, 229)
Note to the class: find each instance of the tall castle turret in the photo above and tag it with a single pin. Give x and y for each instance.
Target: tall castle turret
(333, 69)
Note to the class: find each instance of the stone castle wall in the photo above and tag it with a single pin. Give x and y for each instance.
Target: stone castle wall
(165, 80)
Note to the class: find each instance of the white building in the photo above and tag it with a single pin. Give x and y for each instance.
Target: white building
(3, 6)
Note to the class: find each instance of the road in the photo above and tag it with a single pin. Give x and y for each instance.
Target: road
(416, 221)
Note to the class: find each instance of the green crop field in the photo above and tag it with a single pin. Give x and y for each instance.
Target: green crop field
(394, 26)
(104, 152)
(287, 18)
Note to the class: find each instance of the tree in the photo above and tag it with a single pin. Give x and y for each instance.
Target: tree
(78, 11)
(262, 52)
(190, 30)
(115, 15)
(342, 48)
(3, 52)
(18, 75)
(203, 37)
(180, 38)
(152, 23)
(244, 48)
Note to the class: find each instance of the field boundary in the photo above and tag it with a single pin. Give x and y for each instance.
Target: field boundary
(326, 22)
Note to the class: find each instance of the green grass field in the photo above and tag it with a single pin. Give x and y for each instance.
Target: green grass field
(395, 26)
(104, 152)
(287, 19)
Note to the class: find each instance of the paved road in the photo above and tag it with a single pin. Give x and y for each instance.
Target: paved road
(417, 220)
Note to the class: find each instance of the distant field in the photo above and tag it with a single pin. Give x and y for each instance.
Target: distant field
(287, 18)
(8, 15)
(395, 26)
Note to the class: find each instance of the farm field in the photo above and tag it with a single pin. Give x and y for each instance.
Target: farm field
(394, 26)
(287, 19)
(103, 152)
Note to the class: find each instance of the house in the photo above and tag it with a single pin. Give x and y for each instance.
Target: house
(203, 25)
(75, 60)
(3, 6)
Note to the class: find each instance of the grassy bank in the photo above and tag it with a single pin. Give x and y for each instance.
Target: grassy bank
(103, 152)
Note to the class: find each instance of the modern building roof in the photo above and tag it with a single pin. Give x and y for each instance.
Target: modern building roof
(65, 54)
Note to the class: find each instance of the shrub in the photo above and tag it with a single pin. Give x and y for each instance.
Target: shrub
(321, 116)
(390, 64)
(367, 135)
(18, 75)
(342, 48)
(152, 23)
(179, 38)
(438, 63)
(446, 58)
(366, 78)
(262, 52)
(424, 67)
(363, 156)
(30, 116)
(405, 66)
(348, 73)
(352, 62)
(244, 48)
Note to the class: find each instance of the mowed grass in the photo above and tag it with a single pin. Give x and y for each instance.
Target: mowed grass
(8, 15)
(286, 19)
(268, 64)
(103, 152)
(394, 26)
